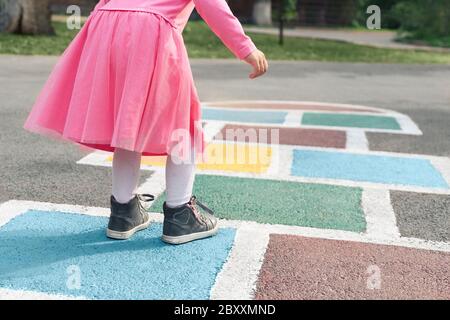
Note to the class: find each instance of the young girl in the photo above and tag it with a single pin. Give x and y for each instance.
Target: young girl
(125, 85)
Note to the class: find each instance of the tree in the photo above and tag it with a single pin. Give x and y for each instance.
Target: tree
(262, 12)
(26, 16)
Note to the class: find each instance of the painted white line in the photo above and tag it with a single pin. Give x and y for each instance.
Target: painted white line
(211, 129)
(408, 125)
(10, 294)
(238, 277)
(281, 164)
(356, 237)
(380, 216)
(96, 158)
(443, 166)
(356, 140)
(155, 184)
(100, 158)
(293, 118)
(13, 208)
(275, 160)
(241, 105)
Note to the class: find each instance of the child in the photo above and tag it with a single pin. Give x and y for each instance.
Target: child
(125, 85)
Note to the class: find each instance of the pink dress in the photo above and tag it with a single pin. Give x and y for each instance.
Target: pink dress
(125, 80)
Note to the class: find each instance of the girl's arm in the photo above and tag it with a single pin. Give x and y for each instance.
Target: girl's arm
(217, 14)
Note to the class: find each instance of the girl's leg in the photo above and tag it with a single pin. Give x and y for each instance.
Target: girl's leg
(127, 213)
(125, 175)
(179, 181)
(183, 221)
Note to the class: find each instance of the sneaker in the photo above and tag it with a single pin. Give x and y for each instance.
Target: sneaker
(128, 218)
(186, 223)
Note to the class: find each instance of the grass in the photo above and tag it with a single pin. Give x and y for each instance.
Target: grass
(37, 45)
(202, 43)
(434, 41)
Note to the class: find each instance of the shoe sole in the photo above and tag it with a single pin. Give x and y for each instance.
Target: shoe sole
(190, 237)
(117, 235)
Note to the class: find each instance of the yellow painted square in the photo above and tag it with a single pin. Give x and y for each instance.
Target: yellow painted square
(226, 157)
(236, 158)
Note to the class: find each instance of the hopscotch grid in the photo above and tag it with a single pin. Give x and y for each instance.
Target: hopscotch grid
(239, 275)
(248, 267)
(226, 286)
(381, 221)
(406, 124)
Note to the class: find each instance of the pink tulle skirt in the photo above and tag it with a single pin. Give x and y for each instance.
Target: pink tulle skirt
(124, 81)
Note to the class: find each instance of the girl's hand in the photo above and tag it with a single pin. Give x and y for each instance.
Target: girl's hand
(258, 61)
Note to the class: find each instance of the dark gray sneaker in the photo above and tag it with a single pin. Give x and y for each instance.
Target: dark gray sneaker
(128, 218)
(186, 223)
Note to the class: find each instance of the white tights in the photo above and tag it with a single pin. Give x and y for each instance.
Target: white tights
(126, 171)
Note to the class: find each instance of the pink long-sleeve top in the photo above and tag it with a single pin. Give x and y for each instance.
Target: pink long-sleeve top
(216, 13)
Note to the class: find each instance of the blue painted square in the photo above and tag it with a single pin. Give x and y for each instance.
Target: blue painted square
(367, 168)
(244, 116)
(38, 249)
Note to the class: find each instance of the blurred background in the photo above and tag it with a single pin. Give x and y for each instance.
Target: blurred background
(407, 24)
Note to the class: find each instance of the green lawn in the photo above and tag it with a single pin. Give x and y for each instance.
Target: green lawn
(443, 42)
(202, 43)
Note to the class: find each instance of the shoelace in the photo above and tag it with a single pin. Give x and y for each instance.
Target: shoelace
(144, 197)
(193, 203)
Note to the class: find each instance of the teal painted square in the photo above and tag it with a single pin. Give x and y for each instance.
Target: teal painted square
(244, 116)
(38, 249)
(280, 202)
(350, 120)
(366, 168)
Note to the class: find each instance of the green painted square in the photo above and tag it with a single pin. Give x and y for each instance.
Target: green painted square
(350, 120)
(280, 202)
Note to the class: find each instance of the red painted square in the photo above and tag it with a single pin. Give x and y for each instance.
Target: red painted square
(296, 267)
(291, 136)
